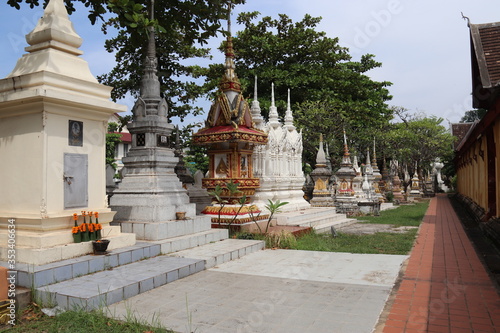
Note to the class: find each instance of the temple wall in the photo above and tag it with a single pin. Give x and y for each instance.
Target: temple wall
(21, 145)
(478, 172)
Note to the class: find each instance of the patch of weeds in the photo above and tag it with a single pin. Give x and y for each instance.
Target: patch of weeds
(249, 235)
(408, 215)
(32, 320)
(283, 240)
(378, 243)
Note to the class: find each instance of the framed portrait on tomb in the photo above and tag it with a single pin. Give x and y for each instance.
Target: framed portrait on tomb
(75, 133)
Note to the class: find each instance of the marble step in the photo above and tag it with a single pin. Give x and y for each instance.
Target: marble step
(114, 285)
(327, 226)
(309, 217)
(162, 230)
(41, 275)
(217, 253)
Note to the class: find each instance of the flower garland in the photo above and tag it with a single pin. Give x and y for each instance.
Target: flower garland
(77, 236)
(97, 226)
(86, 231)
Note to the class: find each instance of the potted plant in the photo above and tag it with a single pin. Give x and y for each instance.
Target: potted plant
(100, 246)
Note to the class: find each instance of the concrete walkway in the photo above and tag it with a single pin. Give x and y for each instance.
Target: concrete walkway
(445, 287)
(274, 291)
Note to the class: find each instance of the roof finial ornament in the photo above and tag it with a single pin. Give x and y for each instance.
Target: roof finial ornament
(289, 114)
(255, 90)
(230, 80)
(466, 18)
(346, 148)
(273, 110)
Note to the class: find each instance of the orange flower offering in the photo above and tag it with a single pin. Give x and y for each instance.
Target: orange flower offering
(75, 216)
(75, 230)
(96, 214)
(83, 227)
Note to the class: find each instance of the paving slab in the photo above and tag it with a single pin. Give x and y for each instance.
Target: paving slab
(110, 286)
(274, 291)
(365, 269)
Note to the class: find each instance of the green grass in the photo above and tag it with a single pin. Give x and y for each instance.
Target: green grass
(407, 215)
(33, 321)
(379, 243)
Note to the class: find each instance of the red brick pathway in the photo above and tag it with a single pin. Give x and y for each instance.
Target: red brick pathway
(445, 287)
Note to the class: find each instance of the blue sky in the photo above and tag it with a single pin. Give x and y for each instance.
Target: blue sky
(423, 45)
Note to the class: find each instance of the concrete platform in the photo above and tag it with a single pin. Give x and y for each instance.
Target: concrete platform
(274, 291)
(41, 275)
(321, 219)
(113, 285)
(221, 252)
(118, 276)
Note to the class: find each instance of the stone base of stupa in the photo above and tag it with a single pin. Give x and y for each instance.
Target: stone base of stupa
(235, 217)
(322, 198)
(39, 248)
(414, 194)
(347, 205)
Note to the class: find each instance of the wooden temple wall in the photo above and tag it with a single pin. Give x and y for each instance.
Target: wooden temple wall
(478, 171)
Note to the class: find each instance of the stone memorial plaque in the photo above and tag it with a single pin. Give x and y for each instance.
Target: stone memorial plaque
(75, 133)
(162, 140)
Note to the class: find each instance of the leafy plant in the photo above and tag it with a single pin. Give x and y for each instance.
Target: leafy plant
(218, 194)
(273, 208)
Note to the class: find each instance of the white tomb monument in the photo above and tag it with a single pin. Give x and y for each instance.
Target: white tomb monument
(278, 164)
(53, 124)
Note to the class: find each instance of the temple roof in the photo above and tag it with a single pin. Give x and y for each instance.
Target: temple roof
(485, 53)
(460, 131)
(230, 118)
(228, 133)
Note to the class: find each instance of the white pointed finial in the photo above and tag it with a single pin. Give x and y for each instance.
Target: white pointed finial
(255, 89)
(55, 25)
(272, 94)
(255, 108)
(273, 111)
(288, 100)
(321, 156)
(289, 115)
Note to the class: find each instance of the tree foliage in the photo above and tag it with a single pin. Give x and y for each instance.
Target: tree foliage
(329, 90)
(181, 26)
(473, 115)
(112, 140)
(420, 139)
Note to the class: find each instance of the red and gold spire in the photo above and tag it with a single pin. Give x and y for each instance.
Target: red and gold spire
(229, 81)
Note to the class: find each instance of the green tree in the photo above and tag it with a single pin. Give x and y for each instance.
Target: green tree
(473, 115)
(182, 26)
(112, 140)
(420, 139)
(329, 90)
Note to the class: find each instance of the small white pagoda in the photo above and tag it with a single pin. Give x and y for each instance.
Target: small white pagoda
(345, 198)
(278, 164)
